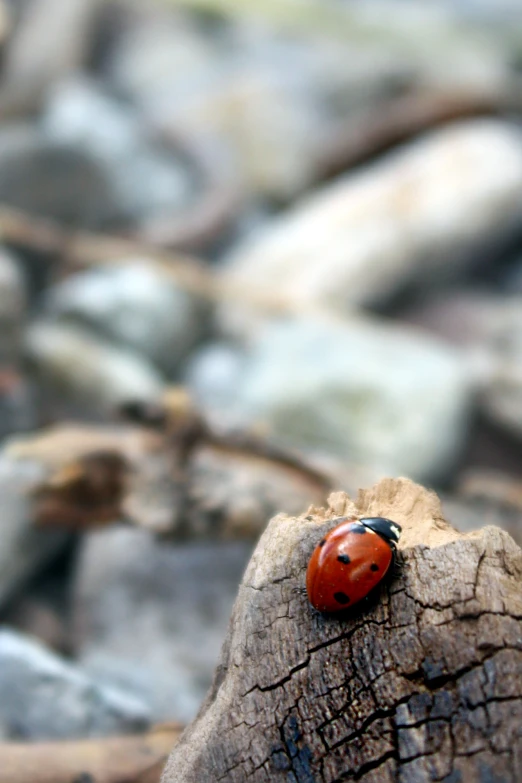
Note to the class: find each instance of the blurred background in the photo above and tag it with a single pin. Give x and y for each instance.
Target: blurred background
(250, 252)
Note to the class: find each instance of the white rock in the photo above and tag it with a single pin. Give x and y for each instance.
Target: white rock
(426, 211)
(368, 392)
(44, 697)
(212, 374)
(134, 306)
(88, 369)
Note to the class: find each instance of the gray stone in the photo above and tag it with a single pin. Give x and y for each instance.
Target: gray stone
(468, 513)
(135, 306)
(18, 408)
(47, 41)
(368, 392)
(489, 327)
(82, 367)
(161, 53)
(501, 397)
(511, 280)
(146, 179)
(419, 216)
(44, 697)
(23, 548)
(278, 100)
(464, 316)
(153, 615)
(269, 98)
(55, 180)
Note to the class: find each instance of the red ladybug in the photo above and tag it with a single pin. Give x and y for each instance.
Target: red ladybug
(350, 561)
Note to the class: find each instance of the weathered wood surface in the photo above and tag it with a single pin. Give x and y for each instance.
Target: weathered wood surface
(424, 686)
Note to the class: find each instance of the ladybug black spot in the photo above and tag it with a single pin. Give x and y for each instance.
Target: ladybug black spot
(374, 567)
(341, 598)
(343, 559)
(322, 542)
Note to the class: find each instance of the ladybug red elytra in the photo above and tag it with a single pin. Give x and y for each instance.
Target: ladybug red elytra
(350, 561)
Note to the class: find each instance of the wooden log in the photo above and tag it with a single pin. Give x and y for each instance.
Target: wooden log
(425, 685)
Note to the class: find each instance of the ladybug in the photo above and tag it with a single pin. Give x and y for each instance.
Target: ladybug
(352, 559)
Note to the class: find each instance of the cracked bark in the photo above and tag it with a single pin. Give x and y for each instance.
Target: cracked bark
(425, 685)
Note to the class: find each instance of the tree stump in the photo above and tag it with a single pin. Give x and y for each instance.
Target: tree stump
(425, 685)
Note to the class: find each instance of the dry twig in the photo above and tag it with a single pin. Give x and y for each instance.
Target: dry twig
(397, 119)
(138, 759)
(168, 471)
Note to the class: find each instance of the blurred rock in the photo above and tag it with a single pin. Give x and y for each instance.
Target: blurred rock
(368, 392)
(278, 94)
(419, 216)
(44, 697)
(270, 97)
(467, 514)
(502, 393)
(82, 367)
(271, 124)
(23, 548)
(146, 178)
(38, 617)
(152, 616)
(511, 281)
(463, 316)
(50, 40)
(55, 180)
(160, 51)
(212, 374)
(135, 306)
(18, 406)
(489, 326)
(12, 307)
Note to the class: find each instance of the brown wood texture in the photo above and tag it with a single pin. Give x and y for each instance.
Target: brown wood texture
(425, 685)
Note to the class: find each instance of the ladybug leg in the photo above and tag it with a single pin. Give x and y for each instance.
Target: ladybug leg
(397, 565)
(372, 599)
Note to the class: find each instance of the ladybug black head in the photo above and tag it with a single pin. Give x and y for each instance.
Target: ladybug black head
(389, 530)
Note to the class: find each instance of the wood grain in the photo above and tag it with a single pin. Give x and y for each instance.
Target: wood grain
(425, 685)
